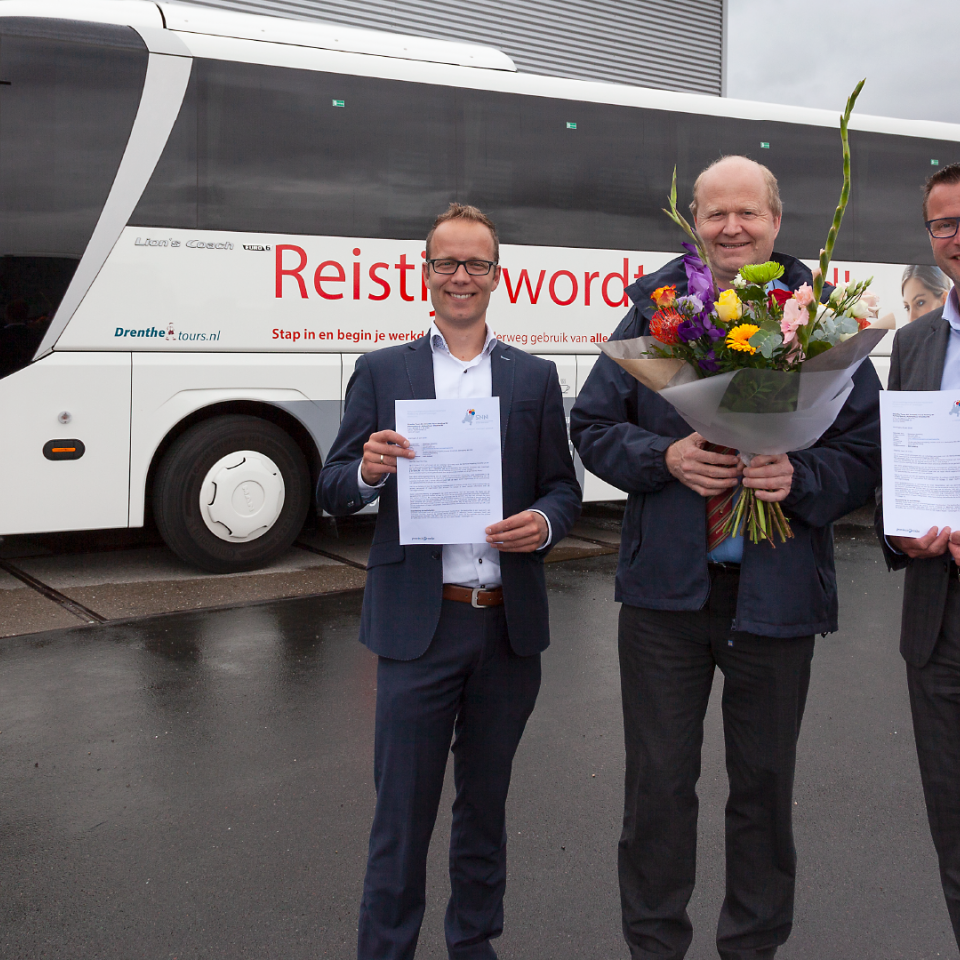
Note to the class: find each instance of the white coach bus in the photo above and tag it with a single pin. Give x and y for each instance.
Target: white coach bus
(206, 217)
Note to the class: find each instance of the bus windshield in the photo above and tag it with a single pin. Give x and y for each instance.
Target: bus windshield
(69, 94)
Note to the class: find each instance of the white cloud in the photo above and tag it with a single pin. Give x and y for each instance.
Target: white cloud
(812, 53)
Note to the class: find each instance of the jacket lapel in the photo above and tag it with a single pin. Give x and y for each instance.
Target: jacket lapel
(502, 369)
(935, 350)
(418, 358)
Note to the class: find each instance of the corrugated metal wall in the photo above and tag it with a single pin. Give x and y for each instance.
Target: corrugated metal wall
(668, 44)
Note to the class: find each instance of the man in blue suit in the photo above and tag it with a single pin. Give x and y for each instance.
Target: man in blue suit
(458, 629)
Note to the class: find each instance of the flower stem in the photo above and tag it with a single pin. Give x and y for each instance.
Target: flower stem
(827, 252)
(757, 519)
(678, 218)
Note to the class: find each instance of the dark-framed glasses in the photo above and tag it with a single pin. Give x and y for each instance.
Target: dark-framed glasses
(943, 228)
(476, 268)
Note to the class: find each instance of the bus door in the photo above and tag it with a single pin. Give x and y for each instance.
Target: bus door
(69, 93)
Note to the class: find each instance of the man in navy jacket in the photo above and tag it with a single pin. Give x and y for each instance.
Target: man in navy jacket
(458, 629)
(749, 609)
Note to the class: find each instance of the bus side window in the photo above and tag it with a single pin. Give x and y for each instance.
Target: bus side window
(66, 110)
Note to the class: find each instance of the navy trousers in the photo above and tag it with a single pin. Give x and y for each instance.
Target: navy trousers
(667, 666)
(471, 688)
(935, 703)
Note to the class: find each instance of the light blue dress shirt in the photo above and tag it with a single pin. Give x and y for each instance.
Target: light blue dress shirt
(951, 362)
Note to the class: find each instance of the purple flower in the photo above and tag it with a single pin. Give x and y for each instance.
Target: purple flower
(691, 303)
(691, 329)
(709, 363)
(699, 277)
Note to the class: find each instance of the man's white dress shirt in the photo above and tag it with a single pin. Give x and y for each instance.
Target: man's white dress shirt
(468, 564)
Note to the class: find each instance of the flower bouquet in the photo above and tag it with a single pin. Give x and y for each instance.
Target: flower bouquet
(759, 368)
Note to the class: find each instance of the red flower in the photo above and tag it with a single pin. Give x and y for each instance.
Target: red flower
(664, 323)
(779, 297)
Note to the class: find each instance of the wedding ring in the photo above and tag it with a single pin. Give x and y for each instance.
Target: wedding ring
(381, 458)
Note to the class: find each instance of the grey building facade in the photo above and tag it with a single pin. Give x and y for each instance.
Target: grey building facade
(665, 44)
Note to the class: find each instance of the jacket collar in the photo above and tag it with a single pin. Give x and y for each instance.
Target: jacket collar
(418, 359)
(936, 338)
(503, 366)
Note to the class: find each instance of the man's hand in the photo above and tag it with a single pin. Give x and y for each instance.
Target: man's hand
(771, 476)
(701, 470)
(954, 546)
(931, 544)
(380, 454)
(521, 533)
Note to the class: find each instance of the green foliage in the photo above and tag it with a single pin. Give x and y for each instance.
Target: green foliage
(752, 293)
(817, 347)
(761, 391)
(766, 342)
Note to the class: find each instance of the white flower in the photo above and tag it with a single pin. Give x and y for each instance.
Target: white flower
(838, 293)
(739, 282)
(859, 310)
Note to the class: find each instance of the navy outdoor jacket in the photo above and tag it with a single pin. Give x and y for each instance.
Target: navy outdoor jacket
(622, 430)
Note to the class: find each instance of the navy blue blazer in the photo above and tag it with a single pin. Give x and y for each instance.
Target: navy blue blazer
(403, 595)
(622, 431)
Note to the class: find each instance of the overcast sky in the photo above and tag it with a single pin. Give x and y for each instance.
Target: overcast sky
(811, 53)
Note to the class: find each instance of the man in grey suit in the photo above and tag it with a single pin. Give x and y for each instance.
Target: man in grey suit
(926, 356)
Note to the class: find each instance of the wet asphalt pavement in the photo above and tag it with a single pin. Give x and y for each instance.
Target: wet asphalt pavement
(199, 785)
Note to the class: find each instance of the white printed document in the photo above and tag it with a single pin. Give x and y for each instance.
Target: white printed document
(920, 437)
(452, 490)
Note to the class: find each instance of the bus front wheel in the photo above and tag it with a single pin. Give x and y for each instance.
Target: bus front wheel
(231, 493)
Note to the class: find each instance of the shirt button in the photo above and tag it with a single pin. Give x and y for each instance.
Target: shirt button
(480, 560)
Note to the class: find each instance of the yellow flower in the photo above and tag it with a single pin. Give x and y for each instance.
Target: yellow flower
(737, 338)
(729, 306)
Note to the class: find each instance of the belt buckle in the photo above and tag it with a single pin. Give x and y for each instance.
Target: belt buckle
(474, 593)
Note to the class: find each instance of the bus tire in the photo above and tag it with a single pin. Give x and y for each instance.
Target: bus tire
(231, 493)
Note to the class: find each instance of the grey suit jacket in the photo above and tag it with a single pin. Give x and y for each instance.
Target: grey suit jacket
(916, 363)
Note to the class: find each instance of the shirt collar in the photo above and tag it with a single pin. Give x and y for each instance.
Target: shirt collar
(951, 311)
(438, 343)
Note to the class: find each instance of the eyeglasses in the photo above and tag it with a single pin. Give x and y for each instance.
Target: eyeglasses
(476, 268)
(943, 228)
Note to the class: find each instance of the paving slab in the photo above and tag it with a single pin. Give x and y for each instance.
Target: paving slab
(348, 541)
(149, 580)
(571, 548)
(590, 531)
(23, 610)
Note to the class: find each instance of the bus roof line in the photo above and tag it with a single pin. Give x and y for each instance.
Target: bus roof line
(557, 88)
(251, 38)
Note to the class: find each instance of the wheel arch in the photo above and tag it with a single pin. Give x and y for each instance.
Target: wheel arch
(264, 410)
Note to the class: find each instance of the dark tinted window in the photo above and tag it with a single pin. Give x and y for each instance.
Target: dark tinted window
(554, 172)
(68, 100)
(277, 156)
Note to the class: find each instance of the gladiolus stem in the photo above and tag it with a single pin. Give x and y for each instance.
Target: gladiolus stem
(757, 519)
(827, 252)
(678, 218)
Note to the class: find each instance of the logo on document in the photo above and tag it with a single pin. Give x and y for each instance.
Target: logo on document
(955, 409)
(469, 416)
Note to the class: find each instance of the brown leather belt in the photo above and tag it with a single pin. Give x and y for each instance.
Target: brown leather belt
(474, 595)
